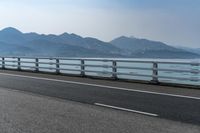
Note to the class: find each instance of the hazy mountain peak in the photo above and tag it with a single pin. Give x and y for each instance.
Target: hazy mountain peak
(11, 35)
(11, 30)
(70, 35)
(122, 37)
(144, 48)
(75, 35)
(65, 34)
(131, 38)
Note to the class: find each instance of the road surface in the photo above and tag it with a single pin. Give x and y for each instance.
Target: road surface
(181, 107)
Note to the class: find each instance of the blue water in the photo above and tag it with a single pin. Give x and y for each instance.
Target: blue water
(106, 71)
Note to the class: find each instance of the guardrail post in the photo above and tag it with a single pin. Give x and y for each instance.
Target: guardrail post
(114, 69)
(37, 64)
(82, 68)
(18, 64)
(155, 73)
(57, 66)
(3, 63)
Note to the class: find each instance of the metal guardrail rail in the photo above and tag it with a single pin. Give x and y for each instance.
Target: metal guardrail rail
(59, 65)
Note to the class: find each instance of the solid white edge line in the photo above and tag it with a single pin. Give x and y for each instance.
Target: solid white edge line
(124, 109)
(102, 86)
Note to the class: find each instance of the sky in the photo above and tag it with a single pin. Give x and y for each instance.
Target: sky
(175, 22)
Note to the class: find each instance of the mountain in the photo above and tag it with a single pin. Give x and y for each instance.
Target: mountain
(54, 45)
(49, 48)
(14, 50)
(11, 35)
(143, 48)
(15, 43)
(75, 40)
(193, 50)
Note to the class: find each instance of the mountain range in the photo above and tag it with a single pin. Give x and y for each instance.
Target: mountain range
(193, 50)
(15, 43)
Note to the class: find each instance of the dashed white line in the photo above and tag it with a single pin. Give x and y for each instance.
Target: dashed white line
(102, 86)
(124, 109)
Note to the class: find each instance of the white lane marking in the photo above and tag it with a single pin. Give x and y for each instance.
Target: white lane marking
(102, 86)
(124, 109)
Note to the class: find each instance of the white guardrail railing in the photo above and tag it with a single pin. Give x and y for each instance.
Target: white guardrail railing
(153, 71)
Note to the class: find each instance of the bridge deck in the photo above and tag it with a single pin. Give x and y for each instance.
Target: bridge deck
(161, 103)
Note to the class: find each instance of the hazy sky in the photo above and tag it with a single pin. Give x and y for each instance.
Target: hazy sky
(176, 22)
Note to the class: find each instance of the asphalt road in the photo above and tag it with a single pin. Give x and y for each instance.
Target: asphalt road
(177, 108)
(24, 112)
